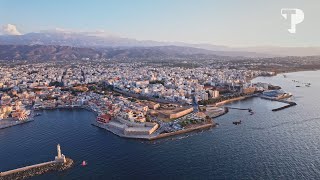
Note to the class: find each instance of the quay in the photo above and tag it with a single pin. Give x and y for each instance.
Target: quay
(60, 163)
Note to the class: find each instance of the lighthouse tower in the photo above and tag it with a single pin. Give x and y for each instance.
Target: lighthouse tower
(60, 158)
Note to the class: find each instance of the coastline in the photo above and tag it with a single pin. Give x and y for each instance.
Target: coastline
(153, 136)
(285, 72)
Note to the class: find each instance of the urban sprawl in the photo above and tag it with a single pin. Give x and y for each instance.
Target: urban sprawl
(137, 100)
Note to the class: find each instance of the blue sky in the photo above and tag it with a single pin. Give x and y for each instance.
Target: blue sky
(219, 22)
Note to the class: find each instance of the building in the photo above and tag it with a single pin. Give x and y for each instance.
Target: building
(147, 129)
(204, 96)
(248, 90)
(176, 113)
(215, 94)
(105, 118)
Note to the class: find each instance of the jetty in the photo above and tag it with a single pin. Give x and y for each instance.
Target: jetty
(6, 123)
(286, 106)
(245, 109)
(60, 163)
(289, 103)
(241, 109)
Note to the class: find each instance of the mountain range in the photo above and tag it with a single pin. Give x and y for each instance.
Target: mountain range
(72, 45)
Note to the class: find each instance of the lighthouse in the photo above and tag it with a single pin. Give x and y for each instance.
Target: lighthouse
(60, 158)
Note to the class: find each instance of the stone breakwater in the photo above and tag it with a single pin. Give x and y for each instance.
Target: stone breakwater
(9, 123)
(38, 169)
(187, 130)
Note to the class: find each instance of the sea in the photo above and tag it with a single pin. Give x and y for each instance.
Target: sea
(267, 145)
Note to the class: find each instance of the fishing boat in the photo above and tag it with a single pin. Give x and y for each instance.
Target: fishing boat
(236, 122)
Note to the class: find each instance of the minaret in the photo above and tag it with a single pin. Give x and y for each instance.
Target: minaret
(60, 158)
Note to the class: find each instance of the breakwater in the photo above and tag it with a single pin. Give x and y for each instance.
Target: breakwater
(37, 169)
(9, 123)
(59, 164)
(289, 103)
(187, 130)
(242, 109)
(284, 107)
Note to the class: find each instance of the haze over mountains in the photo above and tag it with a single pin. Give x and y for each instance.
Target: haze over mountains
(66, 44)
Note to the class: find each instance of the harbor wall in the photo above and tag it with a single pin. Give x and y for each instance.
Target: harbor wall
(200, 127)
(26, 168)
(33, 170)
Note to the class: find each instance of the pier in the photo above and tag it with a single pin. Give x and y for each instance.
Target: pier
(286, 106)
(245, 109)
(59, 163)
(241, 109)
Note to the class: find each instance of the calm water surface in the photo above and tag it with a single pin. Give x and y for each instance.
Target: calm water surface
(267, 145)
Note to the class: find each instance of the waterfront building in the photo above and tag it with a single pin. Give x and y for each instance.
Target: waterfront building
(104, 118)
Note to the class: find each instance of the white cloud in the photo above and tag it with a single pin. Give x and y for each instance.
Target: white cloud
(10, 29)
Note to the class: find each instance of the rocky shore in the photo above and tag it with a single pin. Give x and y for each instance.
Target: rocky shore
(37, 170)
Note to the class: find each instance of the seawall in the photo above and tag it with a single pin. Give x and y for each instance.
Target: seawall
(13, 123)
(200, 127)
(37, 169)
(290, 103)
